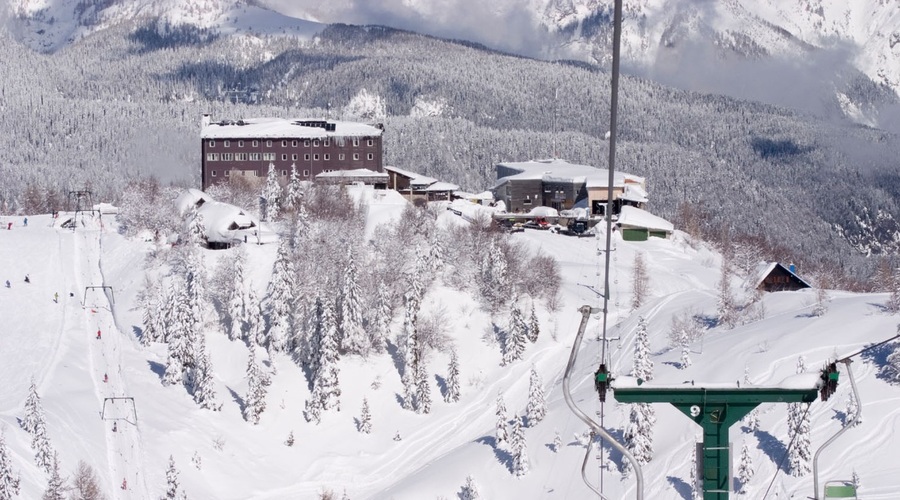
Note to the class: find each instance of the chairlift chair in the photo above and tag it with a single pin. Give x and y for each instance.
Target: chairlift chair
(840, 489)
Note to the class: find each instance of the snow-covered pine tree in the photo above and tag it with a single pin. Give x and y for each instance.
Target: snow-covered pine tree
(272, 194)
(852, 414)
(752, 420)
(255, 401)
(313, 351)
(534, 326)
(204, 391)
(822, 298)
(557, 442)
(893, 304)
(642, 367)
(501, 431)
(197, 229)
(381, 320)
(745, 469)
(411, 346)
(179, 337)
(280, 300)
(494, 283)
(639, 433)
(799, 454)
(326, 390)
(9, 480)
(423, 388)
(353, 338)
(640, 281)
(56, 485)
(40, 442)
(294, 196)
(365, 418)
(33, 409)
(237, 300)
(516, 336)
(893, 361)
(536, 408)
(436, 252)
(469, 490)
(519, 449)
(452, 394)
(254, 327)
(726, 308)
(172, 484)
(857, 483)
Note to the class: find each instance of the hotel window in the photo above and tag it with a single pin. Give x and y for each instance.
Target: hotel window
(212, 144)
(370, 156)
(268, 144)
(355, 156)
(306, 143)
(306, 173)
(316, 143)
(254, 156)
(212, 156)
(356, 141)
(527, 201)
(240, 157)
(284, 157)
(341, 156)
(306, 157)
(326, 142)
(240, 144)
(294, 156)
(371, 142)
(227, 172)
(255, 143)
(327, 156)
(213, 173)
(294, 144)
(284, 144)
(268, 156)
(227, 143)
(226, 156)
(315, 157)
(283, 173)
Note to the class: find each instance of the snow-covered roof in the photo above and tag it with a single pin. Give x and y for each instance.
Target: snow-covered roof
(635, 217)
(414, 178)
(763, 269)
(635, 193)
(441, 186)
(280, 128)
(224, 223)
(189, 199)
(557, 170)
(349, 174)
(801, 381)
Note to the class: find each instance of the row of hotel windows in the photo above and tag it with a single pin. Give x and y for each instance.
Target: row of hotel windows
(294, 143)
(272, 156)
(252, 173)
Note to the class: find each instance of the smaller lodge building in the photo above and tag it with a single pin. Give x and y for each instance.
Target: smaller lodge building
(562, 185)
(774, 277)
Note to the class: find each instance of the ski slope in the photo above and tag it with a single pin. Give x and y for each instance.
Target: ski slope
(221, 456)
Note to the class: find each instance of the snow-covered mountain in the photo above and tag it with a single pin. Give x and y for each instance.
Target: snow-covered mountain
(48, 25)
(409, 455)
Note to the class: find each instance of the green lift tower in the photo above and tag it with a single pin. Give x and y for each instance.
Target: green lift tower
(715, 408)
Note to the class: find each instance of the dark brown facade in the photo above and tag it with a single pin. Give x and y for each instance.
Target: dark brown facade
(249, 156)
(781, 279)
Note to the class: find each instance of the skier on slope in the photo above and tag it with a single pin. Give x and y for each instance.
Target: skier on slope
(98, 334)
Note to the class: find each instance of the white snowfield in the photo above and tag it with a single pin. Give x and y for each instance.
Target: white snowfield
(221, 456)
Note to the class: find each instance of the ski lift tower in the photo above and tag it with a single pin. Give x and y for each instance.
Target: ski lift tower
(716, 407)
(80, 199)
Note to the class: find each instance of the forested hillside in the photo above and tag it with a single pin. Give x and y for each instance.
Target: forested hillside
(125, 104)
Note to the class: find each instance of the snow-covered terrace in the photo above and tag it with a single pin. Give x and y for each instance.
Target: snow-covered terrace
(278, 128)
